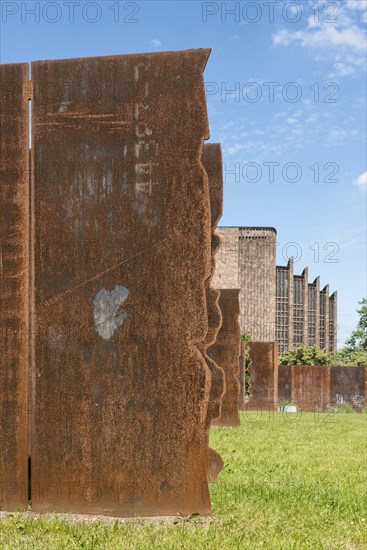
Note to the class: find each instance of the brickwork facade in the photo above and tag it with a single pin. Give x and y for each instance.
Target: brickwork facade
(226, 274)
(333, 334)
(276, 304)
(257, 249)
(246, 259)
(304, 315)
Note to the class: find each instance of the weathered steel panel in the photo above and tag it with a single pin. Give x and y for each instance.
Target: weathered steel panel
(14, 287)
(311, 387)
(122, 241)
(284, 383)
(212, 162)
(225, 352)
(347, 385)
(317, 387)
(263, 384)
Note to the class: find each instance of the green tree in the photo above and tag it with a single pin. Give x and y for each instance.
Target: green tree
(358, 338)
(354, 353)
(350, 358)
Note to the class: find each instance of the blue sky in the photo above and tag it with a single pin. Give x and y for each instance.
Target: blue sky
(286, 87)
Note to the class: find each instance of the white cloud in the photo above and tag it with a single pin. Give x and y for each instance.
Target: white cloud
(233, 149)
(343, 41)
(156, 43)
(298, 113)
(341, 69)
(324, 37)
(281, 38)
(312, 119)
(312, 21)
(361, 181)
(356, 4)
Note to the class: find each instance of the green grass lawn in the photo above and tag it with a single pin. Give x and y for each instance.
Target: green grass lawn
(290, 481)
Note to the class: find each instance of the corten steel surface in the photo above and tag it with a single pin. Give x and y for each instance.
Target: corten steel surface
(212, 162)
(214, 465)
(122, 241)
(284, 383)
(14, 287)
(348, 383)
(263, 384)
(225, 352)
(242, 376)
(311, 387)
(316, 387)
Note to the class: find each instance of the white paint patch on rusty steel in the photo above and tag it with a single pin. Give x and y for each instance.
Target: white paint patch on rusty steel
(106, 187)
(106, 310)
(64, 106)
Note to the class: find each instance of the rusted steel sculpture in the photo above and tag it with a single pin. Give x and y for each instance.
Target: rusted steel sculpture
(315, 388)
(14, 287)
(310, 387)
(263, 385)
(123, 248)
(225, 352)
(212, 161)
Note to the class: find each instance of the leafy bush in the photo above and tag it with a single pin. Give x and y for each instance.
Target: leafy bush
(313, 355)
(353, 354)
(350, 358)
(305, 355)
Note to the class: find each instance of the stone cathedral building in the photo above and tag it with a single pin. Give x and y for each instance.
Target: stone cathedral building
(276, 304)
